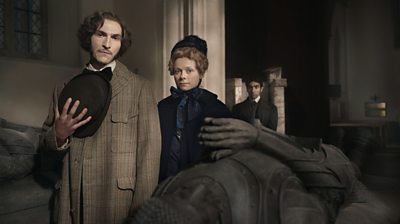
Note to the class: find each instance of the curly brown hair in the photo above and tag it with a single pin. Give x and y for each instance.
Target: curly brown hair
(193, 54)
(93, 22)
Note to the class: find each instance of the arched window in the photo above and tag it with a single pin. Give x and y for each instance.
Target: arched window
(22, 28)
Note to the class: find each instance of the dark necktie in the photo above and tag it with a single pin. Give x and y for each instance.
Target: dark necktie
(253, 110)
(253, 106)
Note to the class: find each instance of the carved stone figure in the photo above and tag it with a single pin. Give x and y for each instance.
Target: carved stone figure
(260, 176)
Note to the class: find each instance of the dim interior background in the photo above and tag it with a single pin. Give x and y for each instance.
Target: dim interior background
(336, 55)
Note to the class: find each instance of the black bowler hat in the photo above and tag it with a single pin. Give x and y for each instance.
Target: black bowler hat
(93, 90)
(192, 41)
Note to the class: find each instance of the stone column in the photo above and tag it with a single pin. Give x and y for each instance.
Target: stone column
(277, 86)
(234, 92)
(173, 31)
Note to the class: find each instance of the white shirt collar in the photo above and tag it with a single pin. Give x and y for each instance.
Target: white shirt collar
(256, 99)
(111, 64)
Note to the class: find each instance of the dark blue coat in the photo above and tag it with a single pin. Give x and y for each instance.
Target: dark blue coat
(190, 148)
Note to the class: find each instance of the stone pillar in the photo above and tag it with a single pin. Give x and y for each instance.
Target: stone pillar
(173, 25)
(277, 86)
(234, 92)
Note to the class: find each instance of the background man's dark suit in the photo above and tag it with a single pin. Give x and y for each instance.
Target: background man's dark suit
(263, 110)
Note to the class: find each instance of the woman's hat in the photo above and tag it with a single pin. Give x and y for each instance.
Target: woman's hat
(93, 90)
(192, 41)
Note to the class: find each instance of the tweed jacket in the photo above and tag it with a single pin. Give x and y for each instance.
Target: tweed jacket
(266, 112)
(116, 169)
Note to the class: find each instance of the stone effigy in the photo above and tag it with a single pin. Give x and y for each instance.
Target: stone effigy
(18, 146)
(261, 176)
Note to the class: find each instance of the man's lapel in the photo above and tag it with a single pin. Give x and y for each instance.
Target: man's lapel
(120, 78)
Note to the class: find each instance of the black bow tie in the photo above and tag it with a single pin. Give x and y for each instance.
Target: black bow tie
(107, 72)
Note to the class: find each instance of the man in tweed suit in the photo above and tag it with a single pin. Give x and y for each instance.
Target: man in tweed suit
(106, 176)
(255, 109)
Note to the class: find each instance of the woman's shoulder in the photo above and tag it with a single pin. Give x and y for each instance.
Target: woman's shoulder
(213, 106)
(208, 96)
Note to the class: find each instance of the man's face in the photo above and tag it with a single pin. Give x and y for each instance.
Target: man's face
(185, 74)
(106, 42)
(254, 89)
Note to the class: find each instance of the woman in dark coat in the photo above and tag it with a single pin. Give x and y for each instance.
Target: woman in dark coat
(182, 113)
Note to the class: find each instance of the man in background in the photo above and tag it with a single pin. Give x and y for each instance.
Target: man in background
(255, 109)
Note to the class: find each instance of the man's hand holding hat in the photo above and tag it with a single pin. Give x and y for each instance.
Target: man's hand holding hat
(91, 91)
(66, 123)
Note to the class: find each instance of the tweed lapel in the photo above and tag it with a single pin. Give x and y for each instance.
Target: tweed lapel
(120, 78)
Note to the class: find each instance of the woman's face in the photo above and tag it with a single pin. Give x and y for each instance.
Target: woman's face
(185, 74)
